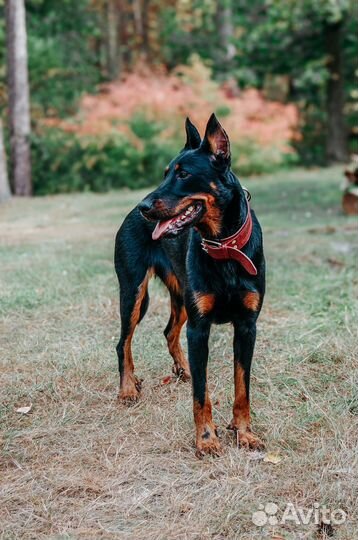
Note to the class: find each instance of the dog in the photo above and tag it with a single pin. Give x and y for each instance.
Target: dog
(198, 234)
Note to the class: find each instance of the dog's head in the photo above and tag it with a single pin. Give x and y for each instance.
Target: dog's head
(196, 185)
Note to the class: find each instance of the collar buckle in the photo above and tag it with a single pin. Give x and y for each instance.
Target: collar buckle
(203, 246)
(211, 243)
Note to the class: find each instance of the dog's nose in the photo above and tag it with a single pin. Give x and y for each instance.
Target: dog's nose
(145, 207)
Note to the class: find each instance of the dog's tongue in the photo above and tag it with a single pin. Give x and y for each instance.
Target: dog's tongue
(160, 228)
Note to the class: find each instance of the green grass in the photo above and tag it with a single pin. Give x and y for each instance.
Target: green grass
(82, 466)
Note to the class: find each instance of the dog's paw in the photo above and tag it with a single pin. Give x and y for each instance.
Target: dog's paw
(246, 439)
(129, 390)
(182, 373)
(207, 443)
(250, 441)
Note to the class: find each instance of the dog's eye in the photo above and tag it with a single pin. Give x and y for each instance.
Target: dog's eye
(183, 175)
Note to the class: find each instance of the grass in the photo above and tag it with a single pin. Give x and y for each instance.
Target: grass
(80, 465)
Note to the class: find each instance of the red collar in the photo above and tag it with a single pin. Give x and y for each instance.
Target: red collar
(230, 248)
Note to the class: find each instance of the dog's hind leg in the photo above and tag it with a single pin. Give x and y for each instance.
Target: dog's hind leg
(133, 305)
(172, 331)
(177, 319)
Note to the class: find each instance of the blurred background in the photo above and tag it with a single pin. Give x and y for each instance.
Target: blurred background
(110, 82)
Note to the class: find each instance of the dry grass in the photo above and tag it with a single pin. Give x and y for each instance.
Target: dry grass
(82, 466)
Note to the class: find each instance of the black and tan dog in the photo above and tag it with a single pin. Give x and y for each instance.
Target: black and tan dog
(199, 235)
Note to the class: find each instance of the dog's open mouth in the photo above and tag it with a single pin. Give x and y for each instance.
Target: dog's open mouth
(176, 224)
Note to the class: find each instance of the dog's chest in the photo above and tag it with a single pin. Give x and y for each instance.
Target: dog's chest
(229, 289)
(228, 279)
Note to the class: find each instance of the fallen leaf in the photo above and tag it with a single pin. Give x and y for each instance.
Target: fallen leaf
(24, 410)
(167, 380)
(272, 457)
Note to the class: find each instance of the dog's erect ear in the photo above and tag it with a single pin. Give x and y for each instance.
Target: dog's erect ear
(216, 140)
(193, 138)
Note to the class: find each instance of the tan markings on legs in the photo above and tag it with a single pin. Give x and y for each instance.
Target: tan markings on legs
(241, 409)
(252, 300)
(204, 302)
(172, 283)
(177, 320)
(241, 412)
(207, 441)
(181, 366)
(130, 385)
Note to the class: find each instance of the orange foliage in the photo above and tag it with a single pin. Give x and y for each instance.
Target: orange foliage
(189, 91)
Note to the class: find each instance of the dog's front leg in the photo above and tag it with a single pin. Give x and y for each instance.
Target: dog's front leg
(207, 441)
(244, 343)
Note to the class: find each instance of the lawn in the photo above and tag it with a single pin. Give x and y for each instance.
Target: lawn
(80, 465)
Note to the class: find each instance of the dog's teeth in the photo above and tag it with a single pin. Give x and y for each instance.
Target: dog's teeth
(187, 212)
(191, 208)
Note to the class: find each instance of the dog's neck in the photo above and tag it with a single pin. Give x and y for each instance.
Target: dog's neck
(234, 208)
(235, 212)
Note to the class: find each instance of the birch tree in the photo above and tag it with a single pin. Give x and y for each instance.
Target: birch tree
(19, 107)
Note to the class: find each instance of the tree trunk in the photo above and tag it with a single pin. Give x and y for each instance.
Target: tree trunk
(4, 181)
(111, 27)
(19, 102)
(225, 31)
(336, 144)
(141, 16)
(145, 18)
